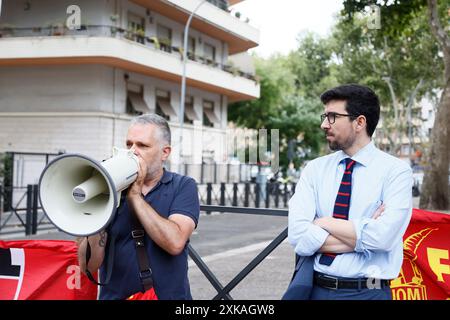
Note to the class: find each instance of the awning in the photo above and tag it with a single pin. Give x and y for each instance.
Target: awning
(138, 103)
(211, 115)
(166, 107)
(190, 112)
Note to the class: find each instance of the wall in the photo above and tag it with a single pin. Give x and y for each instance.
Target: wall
(57, 88)
(42, 13)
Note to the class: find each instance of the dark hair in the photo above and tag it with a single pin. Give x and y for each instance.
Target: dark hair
(360, 100)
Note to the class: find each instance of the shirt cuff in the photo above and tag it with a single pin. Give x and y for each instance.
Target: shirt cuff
(359, 225)
(311, 244)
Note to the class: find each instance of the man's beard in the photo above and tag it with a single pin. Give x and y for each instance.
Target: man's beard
(152, 171)
(342, 145)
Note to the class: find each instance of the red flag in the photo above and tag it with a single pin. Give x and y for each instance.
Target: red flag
(42, 270)
(147, 295)
(425, 273)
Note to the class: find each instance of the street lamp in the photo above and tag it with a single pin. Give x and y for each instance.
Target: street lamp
(183, 77)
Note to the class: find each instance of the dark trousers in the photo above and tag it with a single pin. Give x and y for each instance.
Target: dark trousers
(319, 293)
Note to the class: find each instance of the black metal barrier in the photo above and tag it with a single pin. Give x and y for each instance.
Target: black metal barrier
(12, 217)
(248, 194)
(223, 292)
(25, 214)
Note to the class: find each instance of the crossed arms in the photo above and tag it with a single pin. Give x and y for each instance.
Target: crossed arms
(378, 231)
(342, 236)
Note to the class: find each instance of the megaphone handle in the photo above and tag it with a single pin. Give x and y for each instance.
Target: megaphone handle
(109, 261)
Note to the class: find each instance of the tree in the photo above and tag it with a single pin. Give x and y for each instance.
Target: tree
(310, 65)
(276, 84)
(399, 23)
(300, 125)
(401, 70)
(435, 193)
(280, 107)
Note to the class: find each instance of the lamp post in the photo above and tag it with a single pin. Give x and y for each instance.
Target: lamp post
(183, 78)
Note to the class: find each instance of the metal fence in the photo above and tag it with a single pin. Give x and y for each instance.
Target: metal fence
(91, 30)
(27, 215)
(227, 172)
(20, 170)
(19, 205)
(268, 195)
(222, 185)
(223, 292)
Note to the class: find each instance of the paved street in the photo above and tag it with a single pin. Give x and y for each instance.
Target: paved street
(228, 242)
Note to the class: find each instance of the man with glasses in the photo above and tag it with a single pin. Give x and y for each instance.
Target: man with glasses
(351, 208)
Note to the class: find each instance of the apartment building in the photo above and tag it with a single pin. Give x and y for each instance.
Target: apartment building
(74, 72)
(409, 136)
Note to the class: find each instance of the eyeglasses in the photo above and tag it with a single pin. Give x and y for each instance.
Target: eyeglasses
(331, 116)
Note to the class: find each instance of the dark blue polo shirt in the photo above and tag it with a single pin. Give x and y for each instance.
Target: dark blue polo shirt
(174, 193)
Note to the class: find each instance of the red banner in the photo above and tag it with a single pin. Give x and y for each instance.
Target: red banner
(425, 273)
(42, 270)
(147, 295)
(48, 269)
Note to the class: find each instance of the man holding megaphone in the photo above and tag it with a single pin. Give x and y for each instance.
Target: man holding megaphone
(144, 246)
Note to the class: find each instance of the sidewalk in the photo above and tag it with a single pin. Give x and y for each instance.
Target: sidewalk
(268, 281)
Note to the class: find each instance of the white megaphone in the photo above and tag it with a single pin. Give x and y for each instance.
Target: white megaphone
(80, 195)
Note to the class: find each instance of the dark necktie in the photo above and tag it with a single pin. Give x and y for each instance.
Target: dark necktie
(342, 204)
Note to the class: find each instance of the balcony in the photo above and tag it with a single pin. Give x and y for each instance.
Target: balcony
(222, 4)
(209, 19)
(109, 45)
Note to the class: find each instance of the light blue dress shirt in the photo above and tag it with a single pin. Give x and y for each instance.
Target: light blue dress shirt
(377, 177)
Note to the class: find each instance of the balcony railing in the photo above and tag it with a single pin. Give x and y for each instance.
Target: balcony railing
(222, 4)
(117, 32)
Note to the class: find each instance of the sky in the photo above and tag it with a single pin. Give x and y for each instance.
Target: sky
(280, 21)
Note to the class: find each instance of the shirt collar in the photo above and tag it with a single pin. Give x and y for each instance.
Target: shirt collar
(167, 176)
(363, 156)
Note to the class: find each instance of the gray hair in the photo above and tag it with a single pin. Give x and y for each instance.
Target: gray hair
(160, 122)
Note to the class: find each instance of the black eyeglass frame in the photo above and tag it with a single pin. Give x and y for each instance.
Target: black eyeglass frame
(334, 114)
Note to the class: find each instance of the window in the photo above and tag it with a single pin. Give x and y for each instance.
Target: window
(191, 48)
(209, 116)
(189, 112)
(135, 100)
(164, 35)
(163, 106)
(209, 52)
(136, 28)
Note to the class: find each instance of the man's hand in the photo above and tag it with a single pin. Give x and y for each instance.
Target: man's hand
(97, 243)
(343, 229)
(136, 186)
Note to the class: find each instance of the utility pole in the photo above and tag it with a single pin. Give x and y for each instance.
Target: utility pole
(183, 80)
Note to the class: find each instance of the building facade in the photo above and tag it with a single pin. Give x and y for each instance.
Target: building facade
(407, 138)
(74, 72)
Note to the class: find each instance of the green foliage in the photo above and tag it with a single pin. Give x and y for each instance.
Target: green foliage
(283, 106)
(299, 121)
(310, 64)
(276, 84)
(403, 49)
(392, 60)
(6, 169)
(395, 60)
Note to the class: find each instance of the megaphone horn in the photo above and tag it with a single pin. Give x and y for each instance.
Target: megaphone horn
(80, 195)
